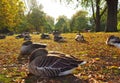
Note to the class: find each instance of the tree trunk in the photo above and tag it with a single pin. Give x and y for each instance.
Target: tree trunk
(96, 17)
(97, 26)
(111, 25)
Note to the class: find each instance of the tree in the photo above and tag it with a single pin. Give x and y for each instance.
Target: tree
(11, 12)
(24, 25)
(36, 17)
(62, 24)
(111, 16)
(79, 21)
(98, 8)
(103, 22)
(111, 13)
(50, 23)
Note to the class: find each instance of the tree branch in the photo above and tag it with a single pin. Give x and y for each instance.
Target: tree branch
(93, 10)
(103, 11)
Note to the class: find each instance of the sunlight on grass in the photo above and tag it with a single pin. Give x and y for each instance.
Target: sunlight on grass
(102, 60)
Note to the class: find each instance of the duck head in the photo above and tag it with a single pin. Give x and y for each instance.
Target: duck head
(26, 43)
(112, 40)
(38, 52)
(28, 47)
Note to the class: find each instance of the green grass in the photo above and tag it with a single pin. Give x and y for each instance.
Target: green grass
(4, 79)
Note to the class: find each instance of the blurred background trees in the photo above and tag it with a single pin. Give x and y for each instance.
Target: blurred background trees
(105, 16)
(79, 21)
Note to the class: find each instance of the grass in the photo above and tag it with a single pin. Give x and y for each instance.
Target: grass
(102, 66)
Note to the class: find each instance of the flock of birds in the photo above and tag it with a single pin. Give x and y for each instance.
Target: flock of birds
(46, 63)
(57, 37)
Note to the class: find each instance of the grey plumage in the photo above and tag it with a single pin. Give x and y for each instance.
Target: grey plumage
(58, 37)
(27, 38)
(45, 36)
(51, 66)
(28, 47)
(113, 41)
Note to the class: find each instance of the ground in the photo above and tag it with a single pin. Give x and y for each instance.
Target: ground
(103, 61)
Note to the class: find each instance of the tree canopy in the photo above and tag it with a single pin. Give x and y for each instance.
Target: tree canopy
(110, 5)
(10, 13)
(104, 17)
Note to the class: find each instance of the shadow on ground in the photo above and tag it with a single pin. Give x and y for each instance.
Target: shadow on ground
(64, 79)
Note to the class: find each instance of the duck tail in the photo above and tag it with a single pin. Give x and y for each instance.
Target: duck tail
(82, 63)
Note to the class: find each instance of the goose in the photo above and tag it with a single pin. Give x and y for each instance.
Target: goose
(79, 37)
(59, 38)
(2, 36)
(113, 41)
(43, 65)
(28, 46)
(27, 37)
(19, 36)
(45, 36)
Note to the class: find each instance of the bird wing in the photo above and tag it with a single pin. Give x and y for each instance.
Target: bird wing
(39, 45)
(50, 66)
(41, 66)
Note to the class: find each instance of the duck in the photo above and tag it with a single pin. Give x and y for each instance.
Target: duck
(45, 36)
(2, 36)
(28, 46)
(46, 66)
(19, 36)
(27, 37)
(113, 41)
(79, 37)
(58, 37)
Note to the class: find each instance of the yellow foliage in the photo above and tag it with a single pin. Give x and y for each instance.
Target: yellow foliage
(10, 12)
(101, 64)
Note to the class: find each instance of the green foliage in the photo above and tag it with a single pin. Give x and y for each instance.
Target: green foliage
(3, 79)
(118, 26)
(79, 21)
(103, 22)
(49, 24)
(23, 26)
(37, 18)
(62, 24)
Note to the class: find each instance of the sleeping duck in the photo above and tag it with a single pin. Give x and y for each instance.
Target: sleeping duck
(2, 36)
(27, 37)
(58, 37)
(45, 36)
(28, 46)
(113, 41)
(43, 65)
